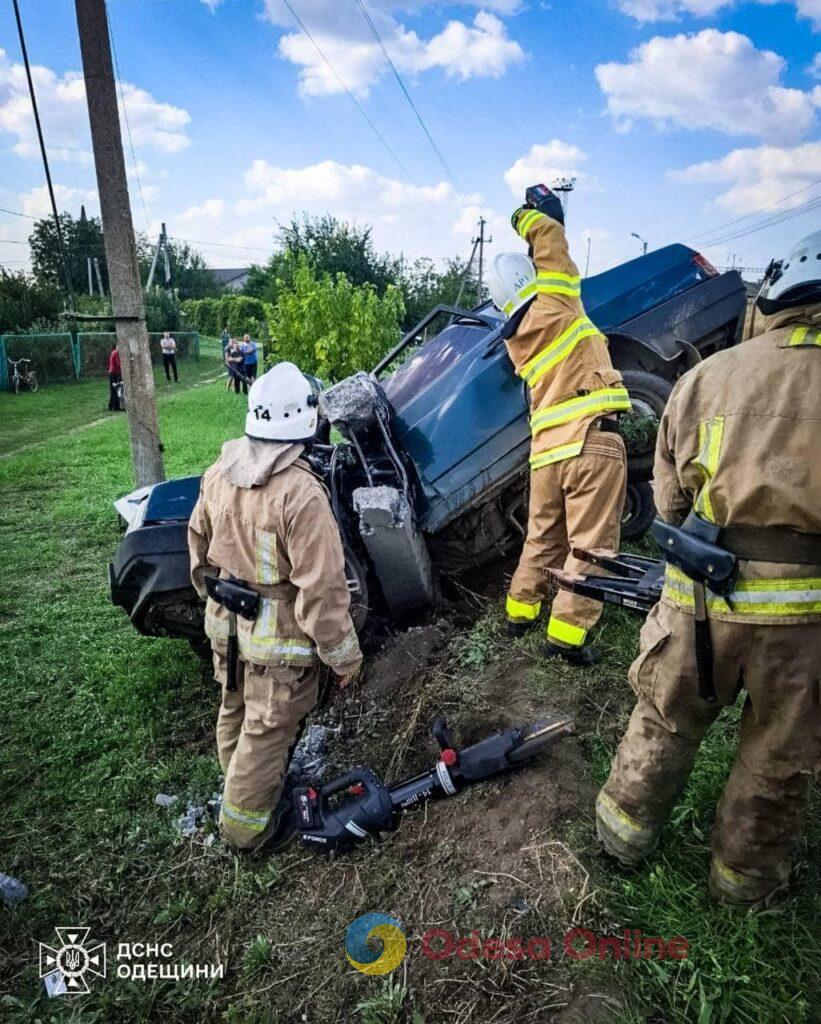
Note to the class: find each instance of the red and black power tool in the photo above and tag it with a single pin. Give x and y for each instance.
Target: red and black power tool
(359, 806)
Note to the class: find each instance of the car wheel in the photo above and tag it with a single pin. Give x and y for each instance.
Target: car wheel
(639, 510)
(648, 395)
(357, 577)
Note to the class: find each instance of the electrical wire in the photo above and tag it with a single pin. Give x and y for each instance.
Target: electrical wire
(220, 245)
(127, 125)
(408, 97)
(361, 110)
(17, 213)
(747, 216)
(769, 222)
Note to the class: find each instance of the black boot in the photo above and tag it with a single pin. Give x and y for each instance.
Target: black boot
(282, 828)
(516, 630)
(581, 657)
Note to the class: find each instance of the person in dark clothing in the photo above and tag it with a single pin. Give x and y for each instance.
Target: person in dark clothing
(115, 376)
(169, 356)
(235, 361)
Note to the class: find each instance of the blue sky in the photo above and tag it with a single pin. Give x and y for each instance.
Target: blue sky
(675, 116)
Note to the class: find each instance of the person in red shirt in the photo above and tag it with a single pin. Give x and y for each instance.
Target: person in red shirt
(115, 375)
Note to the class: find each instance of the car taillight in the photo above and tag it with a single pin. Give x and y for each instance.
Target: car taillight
(704, 264)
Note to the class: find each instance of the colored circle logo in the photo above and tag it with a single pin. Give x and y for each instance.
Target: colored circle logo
(375, 943)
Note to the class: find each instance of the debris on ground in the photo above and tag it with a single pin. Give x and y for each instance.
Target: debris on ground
(165, 800)
(196, 815)
(13, 890)
(309, 759)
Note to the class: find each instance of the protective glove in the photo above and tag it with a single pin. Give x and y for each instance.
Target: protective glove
(540, 197)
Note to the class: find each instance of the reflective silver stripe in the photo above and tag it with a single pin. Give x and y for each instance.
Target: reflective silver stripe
(255, 821)
(344, 651)
(355, 829)
(444, 778)
(267, 571)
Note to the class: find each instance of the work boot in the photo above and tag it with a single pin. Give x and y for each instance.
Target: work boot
(282, 828)
(516, 630)
(580, 657)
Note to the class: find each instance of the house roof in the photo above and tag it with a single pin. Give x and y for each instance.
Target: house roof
(226, 276)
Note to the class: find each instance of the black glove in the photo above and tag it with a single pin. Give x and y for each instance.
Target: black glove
(542, 199)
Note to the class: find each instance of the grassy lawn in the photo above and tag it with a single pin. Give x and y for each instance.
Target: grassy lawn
(65, 407)
(95, 720)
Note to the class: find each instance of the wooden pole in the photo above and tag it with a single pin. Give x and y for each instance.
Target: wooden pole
(120, 247)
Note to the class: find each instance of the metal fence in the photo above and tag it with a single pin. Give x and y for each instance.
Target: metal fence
(66, 357)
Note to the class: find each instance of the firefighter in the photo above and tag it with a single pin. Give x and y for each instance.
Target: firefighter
(577, 457)
(263, 525)
(737, 454)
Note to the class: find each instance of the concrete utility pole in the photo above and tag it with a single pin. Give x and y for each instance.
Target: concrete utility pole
(481, 241)
(733, 256)
(120, 248)
(587, 264)
(643, 242)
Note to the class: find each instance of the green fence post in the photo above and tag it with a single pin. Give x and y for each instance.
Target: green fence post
(74, 342)
(197, 345)
(4, 366)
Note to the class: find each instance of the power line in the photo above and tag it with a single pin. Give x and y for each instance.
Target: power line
(17, 213)
(769, 222)
(39, 127)
(12, 241)
(221, 245)
(127, 125)
(361, 110)
(747, 216)
(413, 107)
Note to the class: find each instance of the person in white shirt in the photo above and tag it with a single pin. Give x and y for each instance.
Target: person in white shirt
(169, 356)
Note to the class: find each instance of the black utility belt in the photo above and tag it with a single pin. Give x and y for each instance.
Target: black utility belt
(236, 596)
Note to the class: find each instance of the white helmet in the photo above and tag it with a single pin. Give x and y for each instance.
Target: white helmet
(794, 281)
(511, 281)
(281, 406)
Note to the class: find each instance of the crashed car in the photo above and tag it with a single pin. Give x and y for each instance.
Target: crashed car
(430, 476)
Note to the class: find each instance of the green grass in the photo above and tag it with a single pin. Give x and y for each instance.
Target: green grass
(56, 409)
(96, 720)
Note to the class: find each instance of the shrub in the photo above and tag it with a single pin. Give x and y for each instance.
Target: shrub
(330, 327)
(239, 313)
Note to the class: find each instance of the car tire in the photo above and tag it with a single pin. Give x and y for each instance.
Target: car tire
(639, 510)
(357, 576)
(648, 393)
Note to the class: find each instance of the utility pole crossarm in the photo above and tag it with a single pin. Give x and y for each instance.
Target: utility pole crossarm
(120, 247)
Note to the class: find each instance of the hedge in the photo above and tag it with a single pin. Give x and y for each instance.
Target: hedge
(239, 313)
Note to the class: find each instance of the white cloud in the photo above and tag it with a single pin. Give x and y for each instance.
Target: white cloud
(711, 79)
(36, 202)
(480, 49)
(759, 176)
(672, 10)
(545, 163)
(61, 99)
(433, 221)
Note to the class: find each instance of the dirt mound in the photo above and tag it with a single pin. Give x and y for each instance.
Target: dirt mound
(404, 656)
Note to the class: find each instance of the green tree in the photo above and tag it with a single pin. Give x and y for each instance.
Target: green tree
(331, 327)
(25, 302)
(330, 246)
(423, 287)
(83, 237)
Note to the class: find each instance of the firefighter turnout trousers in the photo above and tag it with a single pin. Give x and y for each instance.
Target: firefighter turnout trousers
(575, 502)
(760, 812)
(258, 726)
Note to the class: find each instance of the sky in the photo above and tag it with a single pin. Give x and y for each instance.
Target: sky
(675, 117)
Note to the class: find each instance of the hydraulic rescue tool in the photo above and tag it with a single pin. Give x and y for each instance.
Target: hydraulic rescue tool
(359, 806)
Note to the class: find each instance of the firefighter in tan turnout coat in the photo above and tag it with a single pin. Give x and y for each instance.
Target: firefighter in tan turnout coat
(263, 521)
(738, 447)
(577, 462)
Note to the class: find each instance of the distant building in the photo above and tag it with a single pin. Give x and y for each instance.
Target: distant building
(233, 279)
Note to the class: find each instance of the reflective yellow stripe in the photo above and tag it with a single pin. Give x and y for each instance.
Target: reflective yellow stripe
(621, 823)
(254, 821)
(346, 650)
(266, 557)
(710, 436)
(521, 610)
(564, 451)
(527, 220)
(805, 336)
(565, 632)
(770, 597)
(558, 349)
(554, 282)
(604, 400)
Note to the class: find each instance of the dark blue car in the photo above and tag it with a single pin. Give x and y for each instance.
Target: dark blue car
(433, 472)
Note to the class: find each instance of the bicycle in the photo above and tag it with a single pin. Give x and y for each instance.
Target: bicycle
(25, 376)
